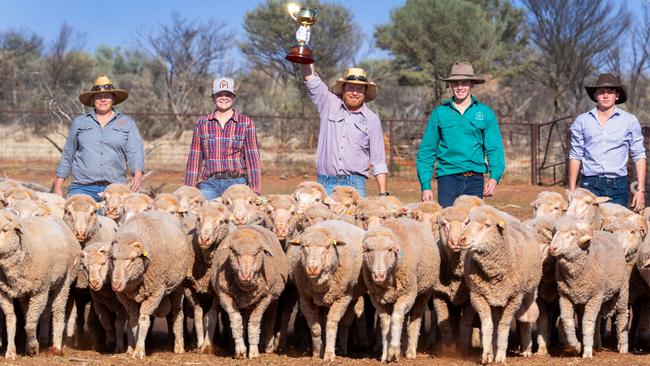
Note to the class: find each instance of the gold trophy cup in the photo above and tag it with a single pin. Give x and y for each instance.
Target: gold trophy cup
(300, 52)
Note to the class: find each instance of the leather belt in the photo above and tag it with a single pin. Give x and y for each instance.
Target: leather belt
(470, 174)
(225, 175)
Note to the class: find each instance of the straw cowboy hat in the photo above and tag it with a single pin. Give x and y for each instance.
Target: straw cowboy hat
(609, 81)
(103, 85)
(355, 75)
(463, 71)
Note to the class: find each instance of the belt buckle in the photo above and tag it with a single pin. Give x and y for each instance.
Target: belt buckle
(468, 174)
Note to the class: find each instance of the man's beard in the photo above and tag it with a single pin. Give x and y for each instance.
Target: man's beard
(352, 103)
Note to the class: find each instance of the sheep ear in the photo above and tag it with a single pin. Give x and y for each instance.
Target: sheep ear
(137, 250)
(295, 241)
(584, 241)
(78, 258)
(102, 194)
(329, 201)
(261, 201)
(100, 204)
(599, 200)
(45, 209)
(403, 211)
(104, 249)
(548, 234)
(267, 250)
(646, 265)
(501, 226)
(337, 243)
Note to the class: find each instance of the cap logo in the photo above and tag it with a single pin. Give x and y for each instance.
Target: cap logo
(223, 84)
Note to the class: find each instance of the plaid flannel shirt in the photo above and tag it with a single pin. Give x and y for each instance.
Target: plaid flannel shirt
(232, 148)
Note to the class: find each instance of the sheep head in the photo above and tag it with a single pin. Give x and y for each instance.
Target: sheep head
(96, 261)
(427, 213)
(583, 204)
(628, 233)
(29, 208)
(9, 227)
(248, 248)
(319, 254)
(308, 193)
(381, 252)
(281, 208)
(572, 236)
(129, 260)
(80, 213)
(242, 202)
(189, 198)
(167, 202)
(451, 222)
(114, 196)
(550, 204)
(212, 224)
(135, 203)
(485, 228)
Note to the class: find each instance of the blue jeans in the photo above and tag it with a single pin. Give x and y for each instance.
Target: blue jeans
(214, 188)
(452, 186)
(91, 190)
(353, 180)
(614, 188)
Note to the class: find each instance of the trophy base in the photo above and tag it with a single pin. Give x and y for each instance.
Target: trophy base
(300, 55)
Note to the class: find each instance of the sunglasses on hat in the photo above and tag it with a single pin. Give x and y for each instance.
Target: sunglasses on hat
(356, 78)
(102, 87)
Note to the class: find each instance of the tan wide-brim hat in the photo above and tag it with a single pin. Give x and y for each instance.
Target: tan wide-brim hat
(103, 85)
(608, 81)
(461, 71)
(355, 75)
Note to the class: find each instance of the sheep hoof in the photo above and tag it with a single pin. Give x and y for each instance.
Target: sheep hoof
(541, 351)
(410, 354)
(486, 358)
(329, 356)
(253, 352)
(138, 353)
(54, 351)
(206, 349)
(393, 353)
(622, 348)
(32, 349)
(500, 357)
(239, 354)
(574, 348)
(527, 353)
(10, 354)
(587, 353)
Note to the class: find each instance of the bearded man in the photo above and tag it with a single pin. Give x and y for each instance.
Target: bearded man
(350, 138)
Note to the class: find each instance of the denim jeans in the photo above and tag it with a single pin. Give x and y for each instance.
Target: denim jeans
(353, 180)
(91, 190)
(614, 188)
(214, 188)
(452, 186)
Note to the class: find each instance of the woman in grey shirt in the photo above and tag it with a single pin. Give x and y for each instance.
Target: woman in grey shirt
(101, 145)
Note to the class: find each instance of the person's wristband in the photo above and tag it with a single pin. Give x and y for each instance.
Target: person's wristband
(384, 194)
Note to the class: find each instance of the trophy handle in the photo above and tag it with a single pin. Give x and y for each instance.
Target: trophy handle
(293, 8)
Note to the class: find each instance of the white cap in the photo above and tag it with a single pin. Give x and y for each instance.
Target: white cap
(223, 84)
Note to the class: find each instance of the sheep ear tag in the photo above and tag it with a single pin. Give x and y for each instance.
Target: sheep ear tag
(145, 253)
(334, 242)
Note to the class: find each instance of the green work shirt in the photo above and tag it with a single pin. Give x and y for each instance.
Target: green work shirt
(460, 143)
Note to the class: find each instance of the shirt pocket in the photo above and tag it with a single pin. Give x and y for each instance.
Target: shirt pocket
(208, 144)
(236, 144)
(360, 133)
(85, 136)
(448, 130)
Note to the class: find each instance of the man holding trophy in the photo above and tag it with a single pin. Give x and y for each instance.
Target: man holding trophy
(350, 137)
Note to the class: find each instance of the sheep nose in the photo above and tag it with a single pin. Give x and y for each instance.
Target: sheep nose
(117, 286)
(94, 284)
(462, 241)
(80, 235)
(312, 270)
(239, 219)
(204, 239)
(245, 275)
(379, 276)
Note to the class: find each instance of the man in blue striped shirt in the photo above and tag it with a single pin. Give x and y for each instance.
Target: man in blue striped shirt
(601, 141)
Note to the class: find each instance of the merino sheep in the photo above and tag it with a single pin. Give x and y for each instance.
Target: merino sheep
(29, 208)
(95, 263)
(591, 272)
(17, 194)
(502, 270)
(189, 199)
(212, 228)
(453, 291)
(281, 208)
(242, 202)
(586, 206)
(113, 197)
(468, 201)
(167, 202)
(37, 264)
(345, 200)
(427, 212)
(328, 273)
(400, 270)
(133, 204)
(53, 202)
(550, 204)
(309, 192)
(80, 213)
(149, 258)
(373, 211)
(251, 272)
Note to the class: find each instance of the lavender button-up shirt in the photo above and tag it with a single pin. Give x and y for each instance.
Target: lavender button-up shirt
(604, 150)
(348, 142)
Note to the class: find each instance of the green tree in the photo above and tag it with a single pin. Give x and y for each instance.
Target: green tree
(20, 52)
(427, 36)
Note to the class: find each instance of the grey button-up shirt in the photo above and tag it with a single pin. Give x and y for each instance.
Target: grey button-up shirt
(348, 142)
(93, 154)
(605, 150)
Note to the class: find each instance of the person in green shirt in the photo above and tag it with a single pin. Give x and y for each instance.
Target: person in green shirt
(462, 132)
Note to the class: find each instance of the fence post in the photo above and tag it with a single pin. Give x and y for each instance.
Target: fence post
(390, 146)
(534, 175)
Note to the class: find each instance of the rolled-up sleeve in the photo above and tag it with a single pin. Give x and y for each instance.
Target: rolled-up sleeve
(320, 94)
(135, 149)
(377, 150)
(576, 152)
(636, 145)
(67, 154)
(194, 158)
(252, 157)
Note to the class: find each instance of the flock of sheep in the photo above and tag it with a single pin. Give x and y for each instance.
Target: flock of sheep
(240, 265)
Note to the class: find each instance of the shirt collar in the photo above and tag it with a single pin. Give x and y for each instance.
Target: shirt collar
(93, 114)
(363, 110)
(450, 101)
(594, 112)
(235, 116)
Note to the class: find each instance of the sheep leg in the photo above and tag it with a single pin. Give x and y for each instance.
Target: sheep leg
(120, 322)
(107, 323)
(311, 314)
(543, 333)
(622, 316)
(269, 326)
(344, 330)
(504, 327)
(254, 322)
(36, 306)
(400, 308)
(236, 323)
(384, 325)
(465, 328)
(527, 314)
(147, 308)
(487, 328)
(210, 325)
(334, 315)
(444, 322)
(44, 327)
(176, 300)
(289, 298)
(589, 319)
(193, 299)
(7, 306)
(567, 313)
(131, 308)
(416, 314)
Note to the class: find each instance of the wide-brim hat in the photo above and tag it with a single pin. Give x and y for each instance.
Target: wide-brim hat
(609, 81)
(103, 85)
(462, 71)
(355, 75)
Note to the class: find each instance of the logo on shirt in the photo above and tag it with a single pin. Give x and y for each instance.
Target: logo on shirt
(479, 116)
(121, 122)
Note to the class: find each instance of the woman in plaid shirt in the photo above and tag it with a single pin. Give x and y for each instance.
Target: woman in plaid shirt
(224, 147)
